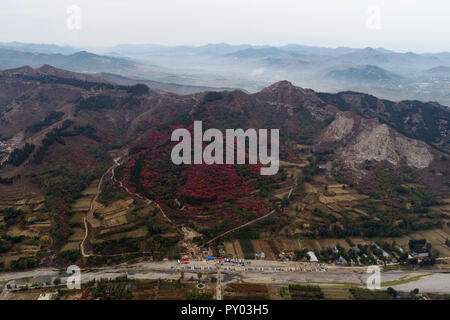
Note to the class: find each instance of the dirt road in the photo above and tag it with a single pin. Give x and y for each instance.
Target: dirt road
(247, 223)
(94, 206)
(256, 271)
(219, 295)
(188, 234)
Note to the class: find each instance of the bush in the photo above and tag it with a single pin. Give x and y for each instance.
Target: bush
(300, 292)
(97, 102)
(11, 215)
(23, 264)
(51, 118)
(137, 89)
(71, 255)
(18, 156)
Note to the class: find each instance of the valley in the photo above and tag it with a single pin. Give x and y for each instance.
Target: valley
(362, 181)
(256, 280)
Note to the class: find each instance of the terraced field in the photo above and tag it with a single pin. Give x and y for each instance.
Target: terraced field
(27, 233)
(326, 203)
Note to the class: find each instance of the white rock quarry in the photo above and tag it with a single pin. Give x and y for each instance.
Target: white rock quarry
(339, 128)
(368, 139)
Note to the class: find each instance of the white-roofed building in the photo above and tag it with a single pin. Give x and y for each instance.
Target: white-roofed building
(312, 256)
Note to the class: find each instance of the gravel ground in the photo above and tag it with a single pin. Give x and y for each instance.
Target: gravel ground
(436, 283)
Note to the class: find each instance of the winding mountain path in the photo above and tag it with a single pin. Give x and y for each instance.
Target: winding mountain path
(94, 206)
(188, 234)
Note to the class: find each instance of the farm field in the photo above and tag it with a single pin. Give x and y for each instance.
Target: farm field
(246, 291)
(336, 293)
(322, 207)
(272, 248)
(26, 233)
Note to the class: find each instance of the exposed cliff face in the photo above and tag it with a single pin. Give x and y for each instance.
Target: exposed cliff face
(418, 154)
(429, 122)
(341, 127)
(367, 139)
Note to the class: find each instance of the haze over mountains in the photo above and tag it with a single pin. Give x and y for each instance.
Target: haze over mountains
(228, 150)
(381, 72)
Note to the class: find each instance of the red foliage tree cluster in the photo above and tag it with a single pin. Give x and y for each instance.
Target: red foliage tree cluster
(223, 189)
(288, 154)
(212, 182)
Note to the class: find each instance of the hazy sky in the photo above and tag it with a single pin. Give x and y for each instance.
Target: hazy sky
(403, 25)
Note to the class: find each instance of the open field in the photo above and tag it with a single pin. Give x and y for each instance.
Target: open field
(244, 291)
(337, 293)
(71, 246)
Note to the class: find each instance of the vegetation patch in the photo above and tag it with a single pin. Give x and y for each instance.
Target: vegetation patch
(300, 292)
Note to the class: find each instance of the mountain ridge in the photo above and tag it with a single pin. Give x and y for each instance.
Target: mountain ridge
(62, 137)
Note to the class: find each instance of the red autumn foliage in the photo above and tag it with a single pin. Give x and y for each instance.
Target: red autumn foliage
(195, 185)
(212, 182)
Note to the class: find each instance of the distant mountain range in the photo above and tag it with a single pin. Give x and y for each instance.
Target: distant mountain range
(310, 53)
(81, 61)
(441, 70)
(157, 86)
(38, 48)
(388, 74)
(363, 74)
